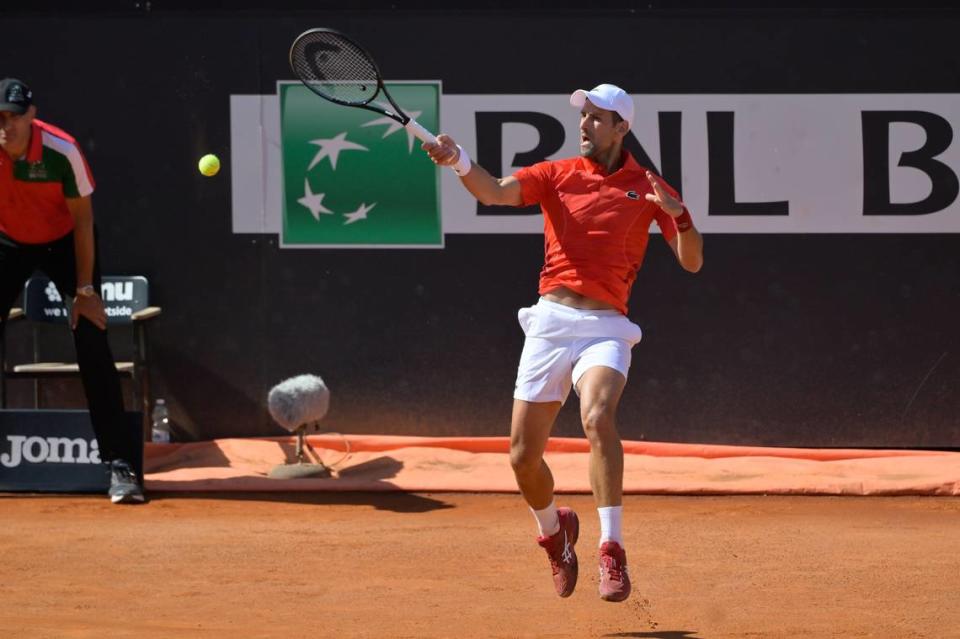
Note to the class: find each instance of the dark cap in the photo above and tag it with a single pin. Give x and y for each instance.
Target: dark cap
(15, 96)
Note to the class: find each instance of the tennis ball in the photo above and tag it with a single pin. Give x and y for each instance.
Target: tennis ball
(209, 165)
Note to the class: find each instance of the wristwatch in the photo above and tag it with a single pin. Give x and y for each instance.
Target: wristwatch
(86, 290)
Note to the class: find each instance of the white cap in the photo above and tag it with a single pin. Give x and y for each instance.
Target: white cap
(606, 96)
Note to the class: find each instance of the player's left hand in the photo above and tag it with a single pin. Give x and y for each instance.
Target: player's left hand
(90, 307)
(671, 205)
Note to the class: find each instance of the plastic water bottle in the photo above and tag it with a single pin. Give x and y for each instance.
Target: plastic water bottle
(161, 422)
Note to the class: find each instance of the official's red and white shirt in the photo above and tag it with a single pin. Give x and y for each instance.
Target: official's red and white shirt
(34, 188)
(595, 226)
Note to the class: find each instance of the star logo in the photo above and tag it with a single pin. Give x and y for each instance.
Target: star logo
(331, 148)
(313, 201)
(393, 126)
(352, 178)
(359, 214)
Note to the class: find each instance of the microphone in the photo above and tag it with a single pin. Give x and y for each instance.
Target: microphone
(299, 401)
(295, 404)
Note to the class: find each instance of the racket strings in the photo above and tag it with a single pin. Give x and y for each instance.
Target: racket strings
(335, 68)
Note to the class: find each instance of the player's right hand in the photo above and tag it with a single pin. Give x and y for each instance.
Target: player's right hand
(444, 152)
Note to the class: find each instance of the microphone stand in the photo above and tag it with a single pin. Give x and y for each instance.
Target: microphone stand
(301, 469)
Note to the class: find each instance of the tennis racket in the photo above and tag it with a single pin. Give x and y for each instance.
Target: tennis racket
(339, 70)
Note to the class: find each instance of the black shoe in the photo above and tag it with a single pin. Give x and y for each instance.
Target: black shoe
(124, 487)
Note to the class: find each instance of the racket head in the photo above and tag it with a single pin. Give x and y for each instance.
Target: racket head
(335, 67)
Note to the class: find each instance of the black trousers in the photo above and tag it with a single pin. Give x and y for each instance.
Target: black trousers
(101, 382)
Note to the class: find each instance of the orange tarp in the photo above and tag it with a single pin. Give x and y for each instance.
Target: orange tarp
(481, 464)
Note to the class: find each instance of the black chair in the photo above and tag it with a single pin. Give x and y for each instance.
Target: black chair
(126, 303)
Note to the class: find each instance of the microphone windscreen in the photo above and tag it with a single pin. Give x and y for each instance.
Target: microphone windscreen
(299, 400)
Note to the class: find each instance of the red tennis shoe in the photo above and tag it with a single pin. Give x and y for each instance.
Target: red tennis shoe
(614, 580)
(559, 547)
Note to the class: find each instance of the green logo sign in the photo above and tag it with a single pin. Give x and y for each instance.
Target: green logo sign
(353, 178)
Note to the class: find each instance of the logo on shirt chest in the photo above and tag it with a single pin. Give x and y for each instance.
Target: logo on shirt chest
(37, 171)
(633, 195)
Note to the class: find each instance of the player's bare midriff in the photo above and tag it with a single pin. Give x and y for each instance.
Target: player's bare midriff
(565, 296)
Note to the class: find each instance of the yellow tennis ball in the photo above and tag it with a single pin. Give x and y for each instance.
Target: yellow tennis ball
(209, 165)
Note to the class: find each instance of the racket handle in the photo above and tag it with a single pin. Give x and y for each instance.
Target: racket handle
(414, 127)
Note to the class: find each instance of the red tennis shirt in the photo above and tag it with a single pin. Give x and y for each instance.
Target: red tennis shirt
(595, 226)
(34, 188)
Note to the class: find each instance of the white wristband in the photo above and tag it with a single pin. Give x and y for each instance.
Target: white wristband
(464, 164)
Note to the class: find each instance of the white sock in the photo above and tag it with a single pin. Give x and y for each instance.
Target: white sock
(610, 518)
(547, 520)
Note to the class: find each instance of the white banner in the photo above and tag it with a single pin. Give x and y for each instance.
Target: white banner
(838, 163)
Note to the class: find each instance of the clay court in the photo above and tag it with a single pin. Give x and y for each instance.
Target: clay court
(419, 565)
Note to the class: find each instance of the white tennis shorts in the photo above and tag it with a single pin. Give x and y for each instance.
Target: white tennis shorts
(563, 343)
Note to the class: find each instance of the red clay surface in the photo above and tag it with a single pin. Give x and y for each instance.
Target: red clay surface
(391, 565)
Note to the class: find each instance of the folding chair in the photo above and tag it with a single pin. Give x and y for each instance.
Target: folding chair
(125, 302)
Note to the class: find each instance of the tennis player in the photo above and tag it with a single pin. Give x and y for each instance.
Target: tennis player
(597, 211)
